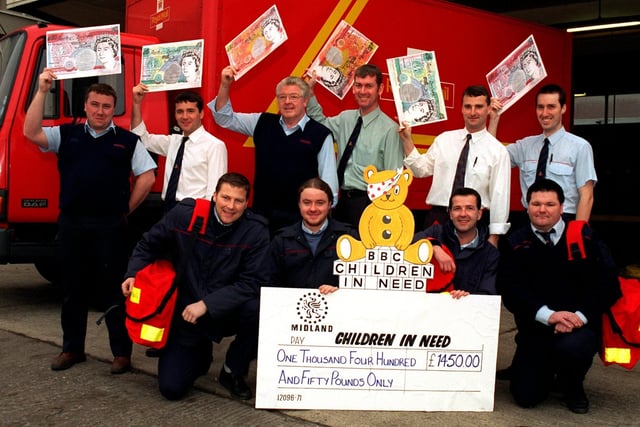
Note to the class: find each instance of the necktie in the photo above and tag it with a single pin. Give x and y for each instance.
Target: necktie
(348, 150)
(541, 171)
(546, 236)
(458, 180)
(172, 187)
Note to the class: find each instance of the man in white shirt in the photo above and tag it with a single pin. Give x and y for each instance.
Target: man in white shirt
(205, 156)
(488, 167)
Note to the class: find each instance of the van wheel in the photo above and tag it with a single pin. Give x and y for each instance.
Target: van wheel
(49, 270)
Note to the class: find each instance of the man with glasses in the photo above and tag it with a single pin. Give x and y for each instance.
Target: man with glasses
(290, 148)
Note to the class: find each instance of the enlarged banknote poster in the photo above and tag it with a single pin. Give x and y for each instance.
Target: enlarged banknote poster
(415, 84)
(517, 74)
(345, 50)
(84, 52)
(170, 66)
(256, 42)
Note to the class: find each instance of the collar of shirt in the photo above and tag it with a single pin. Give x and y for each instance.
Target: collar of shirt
(558, 229)
(367, 118)
(475, 135)
(554, 137)
(472, 244)
(301, 124)
(215, 213)
(193, 137)
(95, 134)
(324, 226)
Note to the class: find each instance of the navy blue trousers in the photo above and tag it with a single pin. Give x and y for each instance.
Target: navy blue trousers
(188, 353)
(544, 358)
(93, 260)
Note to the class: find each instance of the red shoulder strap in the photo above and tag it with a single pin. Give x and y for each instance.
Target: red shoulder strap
(575, 242)
(200, 211)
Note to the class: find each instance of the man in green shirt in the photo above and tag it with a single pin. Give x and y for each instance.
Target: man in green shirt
(377, 144)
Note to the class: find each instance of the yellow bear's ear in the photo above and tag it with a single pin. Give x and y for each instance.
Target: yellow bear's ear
(407, 175)
(368, 171)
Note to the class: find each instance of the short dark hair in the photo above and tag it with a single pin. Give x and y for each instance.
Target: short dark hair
(545, 185)
(553, 88)
(369, 70)
(466, 191)
(477, 90)
(234, 179)
(102, 89)
(189, 96)
(319, 184)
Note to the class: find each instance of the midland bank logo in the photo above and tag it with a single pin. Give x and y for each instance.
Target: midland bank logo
(311, 309)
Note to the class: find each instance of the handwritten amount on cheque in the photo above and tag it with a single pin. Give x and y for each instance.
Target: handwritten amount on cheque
(307, 367)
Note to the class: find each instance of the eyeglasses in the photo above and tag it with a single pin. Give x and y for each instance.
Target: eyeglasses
(291, 97)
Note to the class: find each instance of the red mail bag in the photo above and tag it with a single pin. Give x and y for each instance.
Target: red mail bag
(150, 306)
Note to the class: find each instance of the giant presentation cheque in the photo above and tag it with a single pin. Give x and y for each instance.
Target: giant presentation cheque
(376, 350)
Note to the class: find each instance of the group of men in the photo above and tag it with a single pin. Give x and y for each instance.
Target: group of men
(305, 197)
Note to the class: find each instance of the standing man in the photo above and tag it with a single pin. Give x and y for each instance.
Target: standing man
(289, 147)
(95, 161)
(469, 157)
(568, 159)
(557, 304)
(303, 253)
(372, 138)
(219, 295)
(204, 157)
(475, 260)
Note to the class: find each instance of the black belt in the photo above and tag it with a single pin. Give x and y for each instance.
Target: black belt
(352, 194)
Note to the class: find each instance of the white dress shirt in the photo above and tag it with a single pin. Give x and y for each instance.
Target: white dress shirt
(204, 160)
(488, 172)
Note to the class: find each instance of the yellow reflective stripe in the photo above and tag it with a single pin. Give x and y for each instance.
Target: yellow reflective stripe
(617, 355)
(355, 11)
(135, 295)
(151, 333)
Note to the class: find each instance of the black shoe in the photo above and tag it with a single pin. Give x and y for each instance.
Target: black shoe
(503, 374)
(236, 385)
(576, 398)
